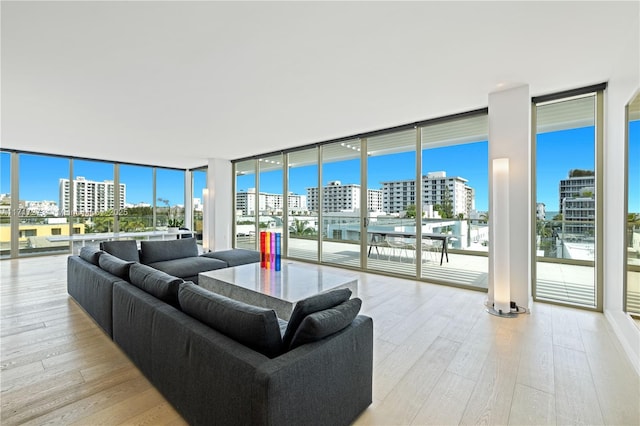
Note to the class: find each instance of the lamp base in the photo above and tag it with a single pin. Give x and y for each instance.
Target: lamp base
(502, 314)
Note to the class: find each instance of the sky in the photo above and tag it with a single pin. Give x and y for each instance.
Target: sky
(557, 153)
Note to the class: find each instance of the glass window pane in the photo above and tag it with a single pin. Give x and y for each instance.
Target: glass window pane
(137, 191)
(245, 208)
(170, 198)
(44, 227)
(340, 202)
(5, 204)
(391, 203)
(93, 197)
(633, 210)
(199, 177)
(271, 194)
(566, 200)
(455, 200)
(303, 222)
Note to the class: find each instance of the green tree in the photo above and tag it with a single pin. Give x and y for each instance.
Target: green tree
(300, 227)
(445, 210)
(411, 211)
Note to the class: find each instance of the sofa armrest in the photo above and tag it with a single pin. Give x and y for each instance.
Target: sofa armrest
(92, 288)
(325, 382)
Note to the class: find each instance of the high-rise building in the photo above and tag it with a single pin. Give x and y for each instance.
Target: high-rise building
(89, 196)
(578, 203)
(438, 189)
(268, 203)
(338, 197)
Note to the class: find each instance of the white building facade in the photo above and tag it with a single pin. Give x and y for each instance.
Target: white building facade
(436, 187)
(89, 196)
(578, 205)
(337, 197)
(268, 203)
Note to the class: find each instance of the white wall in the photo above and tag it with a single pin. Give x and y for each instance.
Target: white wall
(624, 82)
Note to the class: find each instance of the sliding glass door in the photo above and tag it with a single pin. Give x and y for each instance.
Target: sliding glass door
(339, 198)
(303, 227)
(391, 203)
(455, 201)
(568, 199)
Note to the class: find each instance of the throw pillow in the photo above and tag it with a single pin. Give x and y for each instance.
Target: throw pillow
(114, 265)
(318, 302)
(91, 254)
(325, 323)
(124, 249)
(157, 283)
(254, 327)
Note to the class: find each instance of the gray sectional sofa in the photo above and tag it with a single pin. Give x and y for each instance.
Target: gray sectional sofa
(220, 361)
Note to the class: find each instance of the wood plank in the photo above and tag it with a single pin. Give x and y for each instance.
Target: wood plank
(532, 407)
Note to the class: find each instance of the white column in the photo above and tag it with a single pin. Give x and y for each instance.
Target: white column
(188, 199)
(219, 204)
(510, 138)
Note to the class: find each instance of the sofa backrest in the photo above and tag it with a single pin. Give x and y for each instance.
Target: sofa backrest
(253, 326)
(159, 251)
(155, 282)
(124, 249)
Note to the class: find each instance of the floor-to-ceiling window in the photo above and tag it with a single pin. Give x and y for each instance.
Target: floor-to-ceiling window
(137, 183)
(43, 225)
(567, 144)
(455, 200)
(198, 185)
(52, 204)
(245, 207)
(271, 200)
(632, 237)
(339, 198)
(302, 219)
(90, 197)
(169, 198)
(390, 217)
(372, 202)
(6, 215)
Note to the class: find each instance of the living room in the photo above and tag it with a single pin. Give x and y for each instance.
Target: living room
(192, 92)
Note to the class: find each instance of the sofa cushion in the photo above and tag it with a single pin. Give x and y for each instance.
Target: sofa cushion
(254, 327)
(91, 254)
(325, 323)
(318, 302)
(114, 265)
(158, 251)
(124, 249)
(157, 283)
(235, 257)
(188, 266)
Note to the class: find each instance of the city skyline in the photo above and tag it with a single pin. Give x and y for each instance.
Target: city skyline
(557, 153)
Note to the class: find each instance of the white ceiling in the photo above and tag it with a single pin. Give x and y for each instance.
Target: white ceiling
(175, 83)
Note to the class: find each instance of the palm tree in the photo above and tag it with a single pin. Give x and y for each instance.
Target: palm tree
(299, 227)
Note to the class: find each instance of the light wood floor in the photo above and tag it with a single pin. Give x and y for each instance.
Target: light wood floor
(439, 359)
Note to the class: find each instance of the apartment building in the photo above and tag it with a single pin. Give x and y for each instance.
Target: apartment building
(438, 189)
(89, 196)
(337, 197)
(578, 205)
(268, 203)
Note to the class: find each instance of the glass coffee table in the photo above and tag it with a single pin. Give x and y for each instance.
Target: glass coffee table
(277, 290)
